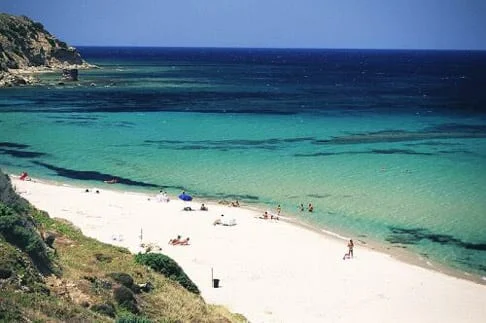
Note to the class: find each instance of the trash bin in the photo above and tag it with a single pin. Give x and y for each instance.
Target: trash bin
(215, 283)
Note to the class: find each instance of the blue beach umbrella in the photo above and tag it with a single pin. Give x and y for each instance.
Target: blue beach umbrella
(185, 197)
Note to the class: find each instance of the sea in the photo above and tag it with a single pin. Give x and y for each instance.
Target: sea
(389, 146)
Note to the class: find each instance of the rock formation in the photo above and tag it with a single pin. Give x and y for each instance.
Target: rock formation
(69, 74)
(26, 47)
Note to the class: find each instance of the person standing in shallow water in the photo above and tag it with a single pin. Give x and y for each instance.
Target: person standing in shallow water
(310, 208)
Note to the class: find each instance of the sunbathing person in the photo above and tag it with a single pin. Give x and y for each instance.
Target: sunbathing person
(178, 242)
(265, 216)
(203, 207)
(235, 203)
(24, 176)
(184, 242)
(219, 221)
(175, 241)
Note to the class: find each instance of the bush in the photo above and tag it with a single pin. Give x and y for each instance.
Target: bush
(18, 231)
(52, 42)
(5, 273)
(38, 26)
(168, 267)
(125, 298)
(9, 197)
(104, 309)
(10, 311)
(122, 278)
(49, 239)
(62, 44)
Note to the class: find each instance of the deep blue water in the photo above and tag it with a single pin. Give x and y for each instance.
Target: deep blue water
(283, 81)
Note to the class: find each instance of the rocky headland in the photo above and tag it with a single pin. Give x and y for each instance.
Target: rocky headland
(26, 49)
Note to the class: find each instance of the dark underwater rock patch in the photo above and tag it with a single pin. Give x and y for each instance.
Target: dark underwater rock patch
(415, 235)
(22, 153)
(13, 145)
(98, 176)
(443, 131)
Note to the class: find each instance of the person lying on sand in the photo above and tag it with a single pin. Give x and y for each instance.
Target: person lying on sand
(24, 176)
(184, 242)
(219, 221)
(235, 203)
(175, 241)
(264, 216)
(178, 242)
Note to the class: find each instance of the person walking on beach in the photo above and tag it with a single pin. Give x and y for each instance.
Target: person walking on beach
(279, 209)
(350, 250)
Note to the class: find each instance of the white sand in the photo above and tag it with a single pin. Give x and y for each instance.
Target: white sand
(270, 271)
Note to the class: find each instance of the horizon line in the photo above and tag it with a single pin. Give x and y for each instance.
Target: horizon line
(286, 48)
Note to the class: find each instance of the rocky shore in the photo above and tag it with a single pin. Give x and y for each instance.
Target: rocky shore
(27, 49)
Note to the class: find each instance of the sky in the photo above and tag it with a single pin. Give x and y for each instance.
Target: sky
(374, 24)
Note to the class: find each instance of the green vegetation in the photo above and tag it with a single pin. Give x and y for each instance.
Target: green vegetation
(168, 267)
(38, 27)
(52, 42)
(90, 281)
(134, 319)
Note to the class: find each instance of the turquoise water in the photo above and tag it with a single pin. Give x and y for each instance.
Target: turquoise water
(412, 178)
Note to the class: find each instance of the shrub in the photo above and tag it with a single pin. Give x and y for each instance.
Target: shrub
(10, 311)
(5, 273)
(126, 280)
(122, 278)
(49, 239)
(125, 298)
(168, 267)
(62, 44)
(8, 195)
(52, 42)
(104, 309)
(38, 26)
(17, 231)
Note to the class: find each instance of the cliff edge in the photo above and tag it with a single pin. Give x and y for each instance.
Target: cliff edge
(26, 47)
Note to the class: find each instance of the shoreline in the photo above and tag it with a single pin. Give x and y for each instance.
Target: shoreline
(398, 252)
(262, 263)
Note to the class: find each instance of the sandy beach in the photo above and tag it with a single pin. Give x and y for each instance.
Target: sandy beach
(270, 271)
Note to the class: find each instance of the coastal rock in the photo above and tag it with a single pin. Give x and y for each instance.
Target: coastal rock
(10, 79)
(27, 48)
(69, 74)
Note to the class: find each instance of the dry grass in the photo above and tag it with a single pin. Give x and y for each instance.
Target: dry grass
(86, 263)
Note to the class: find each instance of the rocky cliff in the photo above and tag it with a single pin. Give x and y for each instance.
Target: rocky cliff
(26, 47)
